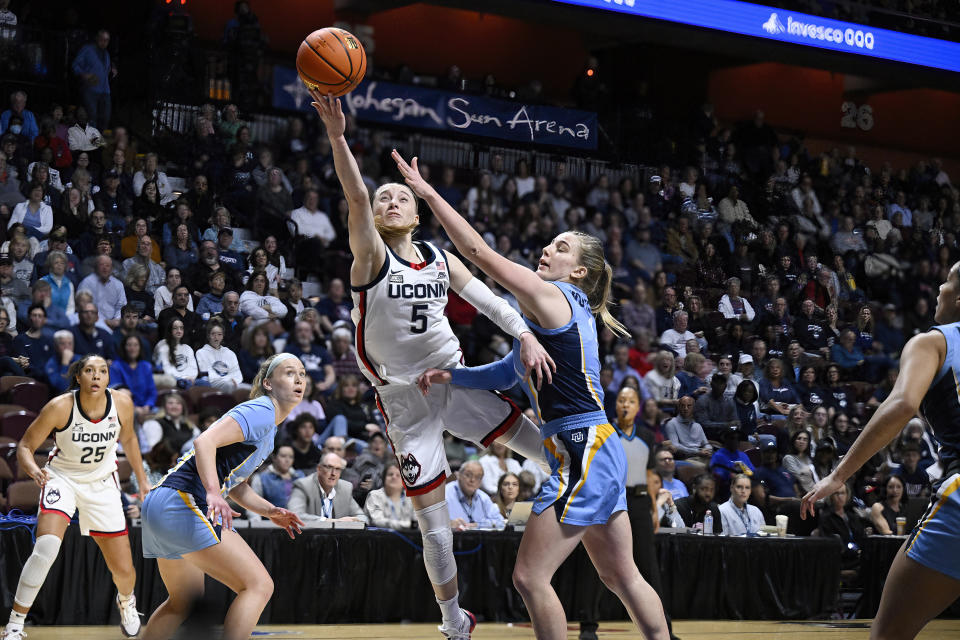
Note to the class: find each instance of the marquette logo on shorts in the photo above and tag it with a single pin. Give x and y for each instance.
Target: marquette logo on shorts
(850, 37)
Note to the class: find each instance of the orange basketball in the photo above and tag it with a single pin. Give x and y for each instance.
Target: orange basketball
(332, 60)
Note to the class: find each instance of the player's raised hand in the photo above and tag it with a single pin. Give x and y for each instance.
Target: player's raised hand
(536, 361)
(287, 520)
(432, 376)
(330, 112)
(826, 487)
(411, 175)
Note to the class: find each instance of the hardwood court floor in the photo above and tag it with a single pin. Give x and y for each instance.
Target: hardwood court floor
(685, 629)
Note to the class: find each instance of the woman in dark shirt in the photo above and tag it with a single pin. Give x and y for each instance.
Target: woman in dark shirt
(348, 405)
(837, 519)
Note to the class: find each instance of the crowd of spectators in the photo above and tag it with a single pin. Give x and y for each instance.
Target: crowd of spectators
(768, 292)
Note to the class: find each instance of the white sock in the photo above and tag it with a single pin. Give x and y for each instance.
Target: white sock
(124, 598)
(16, 620)
(450, 609)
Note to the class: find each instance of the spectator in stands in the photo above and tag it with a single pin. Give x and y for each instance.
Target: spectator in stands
(324, 496)
(218, 362)
(36, 343)
(274, 203)
(842, 397)
(212, 303)
(714, 411)
(369, 463)
(182, 214)
(915, 479)
(56, 318)
(94, 68)
(151, 173)
(112, 201)
(133, 371)
(497, 461)
(258, 261)
(33, 213)
(182, 252)
(198, 276)
(18, 107)
(227, 257)
(622, 369)
(777, 484)
(84, 136)
(192, 323)
(389, 506)
(729, 459)
(163, 296)
(686, 435)
(799, 463)
(303, 430)
(837, 518)
(17, 290)
(676, 338)
(256, 347)
(846, 239)
(170, 424)
(884, 514)
(9, 184)
(221, 220)
(777, 395)
(55, 369)
(343, 353)
(129, 325)
(107, 290)
(335, 307)
(666, 467)
(661, 381)
(811, 395)
(739, 518)
(825, 458)
(636, 314)
(847, 355)
(90, 339)
(694, 507)
(233, 321)
(256, 303)
(470, 508)
(733, 306)
(348, 413)
(21, 250)
(810, 330)
(229, 125)
(275, 483)
(508, 488)
(155, 273)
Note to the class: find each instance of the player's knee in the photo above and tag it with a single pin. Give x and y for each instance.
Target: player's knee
(523, 579)
(434, 522)
(619, 577)
(261, 588)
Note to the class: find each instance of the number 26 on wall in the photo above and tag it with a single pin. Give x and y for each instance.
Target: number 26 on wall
(856, 117)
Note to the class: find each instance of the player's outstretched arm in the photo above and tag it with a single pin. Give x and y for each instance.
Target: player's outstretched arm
(53, 416)
(365, 243)
(921, 359)
(532, 293)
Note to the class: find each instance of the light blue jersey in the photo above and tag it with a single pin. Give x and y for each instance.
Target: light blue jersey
(174, 513)
(935, 541)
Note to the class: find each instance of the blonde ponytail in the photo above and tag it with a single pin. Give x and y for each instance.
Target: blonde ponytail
(598, 282)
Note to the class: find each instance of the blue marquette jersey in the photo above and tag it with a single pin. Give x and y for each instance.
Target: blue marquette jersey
(941, 404)
(235, 462)
(575, 397)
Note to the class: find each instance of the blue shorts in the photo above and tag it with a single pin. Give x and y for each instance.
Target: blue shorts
(588, 474)
(174, 525)
(935, 541)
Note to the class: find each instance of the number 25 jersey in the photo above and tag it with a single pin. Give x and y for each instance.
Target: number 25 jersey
(401, 326)
(86, 450)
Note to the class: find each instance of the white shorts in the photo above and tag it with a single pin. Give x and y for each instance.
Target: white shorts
(99, 503)
(415, 426)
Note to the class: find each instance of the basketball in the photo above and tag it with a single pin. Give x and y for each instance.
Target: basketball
(331, 60)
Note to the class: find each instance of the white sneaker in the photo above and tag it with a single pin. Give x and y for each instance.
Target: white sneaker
(468, 623)
(129, 617)
(18, 634)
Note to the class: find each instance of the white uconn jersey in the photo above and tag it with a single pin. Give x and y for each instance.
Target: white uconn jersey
(86, 450)
(401, 328)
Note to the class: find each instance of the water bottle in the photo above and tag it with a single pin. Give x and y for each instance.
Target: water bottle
(708, 523)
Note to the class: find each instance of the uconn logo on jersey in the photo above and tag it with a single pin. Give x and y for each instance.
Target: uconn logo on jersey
(79, 435)
(418, 291)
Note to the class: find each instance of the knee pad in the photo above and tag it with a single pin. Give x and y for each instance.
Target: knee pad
(528, 442)
(35, 569)
(437, 537)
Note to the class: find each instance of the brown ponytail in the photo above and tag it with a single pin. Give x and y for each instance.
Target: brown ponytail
(598, 281)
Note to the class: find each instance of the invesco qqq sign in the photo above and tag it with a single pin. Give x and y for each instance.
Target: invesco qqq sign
(849, 36)
(761, 21)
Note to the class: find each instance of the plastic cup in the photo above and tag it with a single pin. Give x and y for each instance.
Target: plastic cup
(782, 525)
(901, 526)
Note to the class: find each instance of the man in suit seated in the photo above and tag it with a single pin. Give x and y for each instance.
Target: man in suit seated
(324, 496)
(470, 508)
